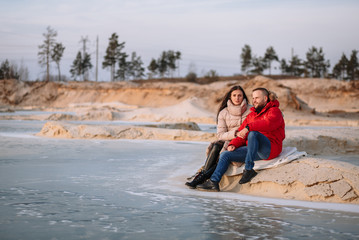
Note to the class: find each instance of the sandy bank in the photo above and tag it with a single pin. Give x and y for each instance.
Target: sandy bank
(318, 102)
(323, 141)
(189, 110)
(301, 94)
(333, 141)
(161, 132)
(186, 111)
(325, 95)
(309, 179)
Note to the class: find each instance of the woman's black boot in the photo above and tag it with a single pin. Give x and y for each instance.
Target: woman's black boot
(209, 166)
(201, 177)
(198, 179)
(213, 155)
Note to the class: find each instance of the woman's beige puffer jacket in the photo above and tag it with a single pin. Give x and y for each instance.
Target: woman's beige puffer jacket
(229, 120)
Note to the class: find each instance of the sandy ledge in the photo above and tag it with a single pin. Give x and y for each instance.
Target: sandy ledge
(162, 132)
(315, 141)
(309, 179)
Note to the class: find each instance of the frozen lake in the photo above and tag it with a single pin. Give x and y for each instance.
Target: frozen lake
(126, 189)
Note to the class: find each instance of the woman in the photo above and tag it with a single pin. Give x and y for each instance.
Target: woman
(231, 113)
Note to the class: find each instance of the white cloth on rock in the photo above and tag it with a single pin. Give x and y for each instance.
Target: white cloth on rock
(287, 155)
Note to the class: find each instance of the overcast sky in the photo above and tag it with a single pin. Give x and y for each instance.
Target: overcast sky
(209, 33)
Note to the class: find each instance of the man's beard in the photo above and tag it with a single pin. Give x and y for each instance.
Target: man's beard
(259, 108)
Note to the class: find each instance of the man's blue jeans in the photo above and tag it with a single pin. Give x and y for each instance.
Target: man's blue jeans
(258, 148)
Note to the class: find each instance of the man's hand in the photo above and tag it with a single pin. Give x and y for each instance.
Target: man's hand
(242, 133)
(231, 148)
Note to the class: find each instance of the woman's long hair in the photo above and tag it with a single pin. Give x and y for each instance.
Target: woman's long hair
(228, 96)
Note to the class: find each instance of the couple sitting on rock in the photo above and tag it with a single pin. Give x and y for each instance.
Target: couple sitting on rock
(246, 133)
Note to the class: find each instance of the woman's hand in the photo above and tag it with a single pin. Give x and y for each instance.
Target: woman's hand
(242, 133)
(231, 148)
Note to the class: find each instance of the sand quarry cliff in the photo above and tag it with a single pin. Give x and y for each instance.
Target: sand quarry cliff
(321, 115)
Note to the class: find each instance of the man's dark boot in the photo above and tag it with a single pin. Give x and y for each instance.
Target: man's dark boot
(209, 185)
(247, 176)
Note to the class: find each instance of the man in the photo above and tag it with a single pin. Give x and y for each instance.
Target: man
(259, 137)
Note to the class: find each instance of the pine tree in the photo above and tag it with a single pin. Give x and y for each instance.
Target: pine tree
(136, 69)
(340, 69)
(80, 65)
(123, 67)
(353, 66)
(177, 59)
(8, 71)
(153, 68)
(316, 63)
(162, 64)
(258, 65)
(166, 63)
(76, 68)
(269, 57)
(46, 48)
(246, 58)
(113, 54)
(56, 56)
(296, 66)
(284, 66)
(172, 58)
(86, 65)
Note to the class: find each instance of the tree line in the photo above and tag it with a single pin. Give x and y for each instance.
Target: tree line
(116, 58)
(315, 65)
(13, 71)
(123, 66)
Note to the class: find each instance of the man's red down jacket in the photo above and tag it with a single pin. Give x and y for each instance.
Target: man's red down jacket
(269, 122)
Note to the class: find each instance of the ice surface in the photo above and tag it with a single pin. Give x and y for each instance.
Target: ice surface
(121, 189)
